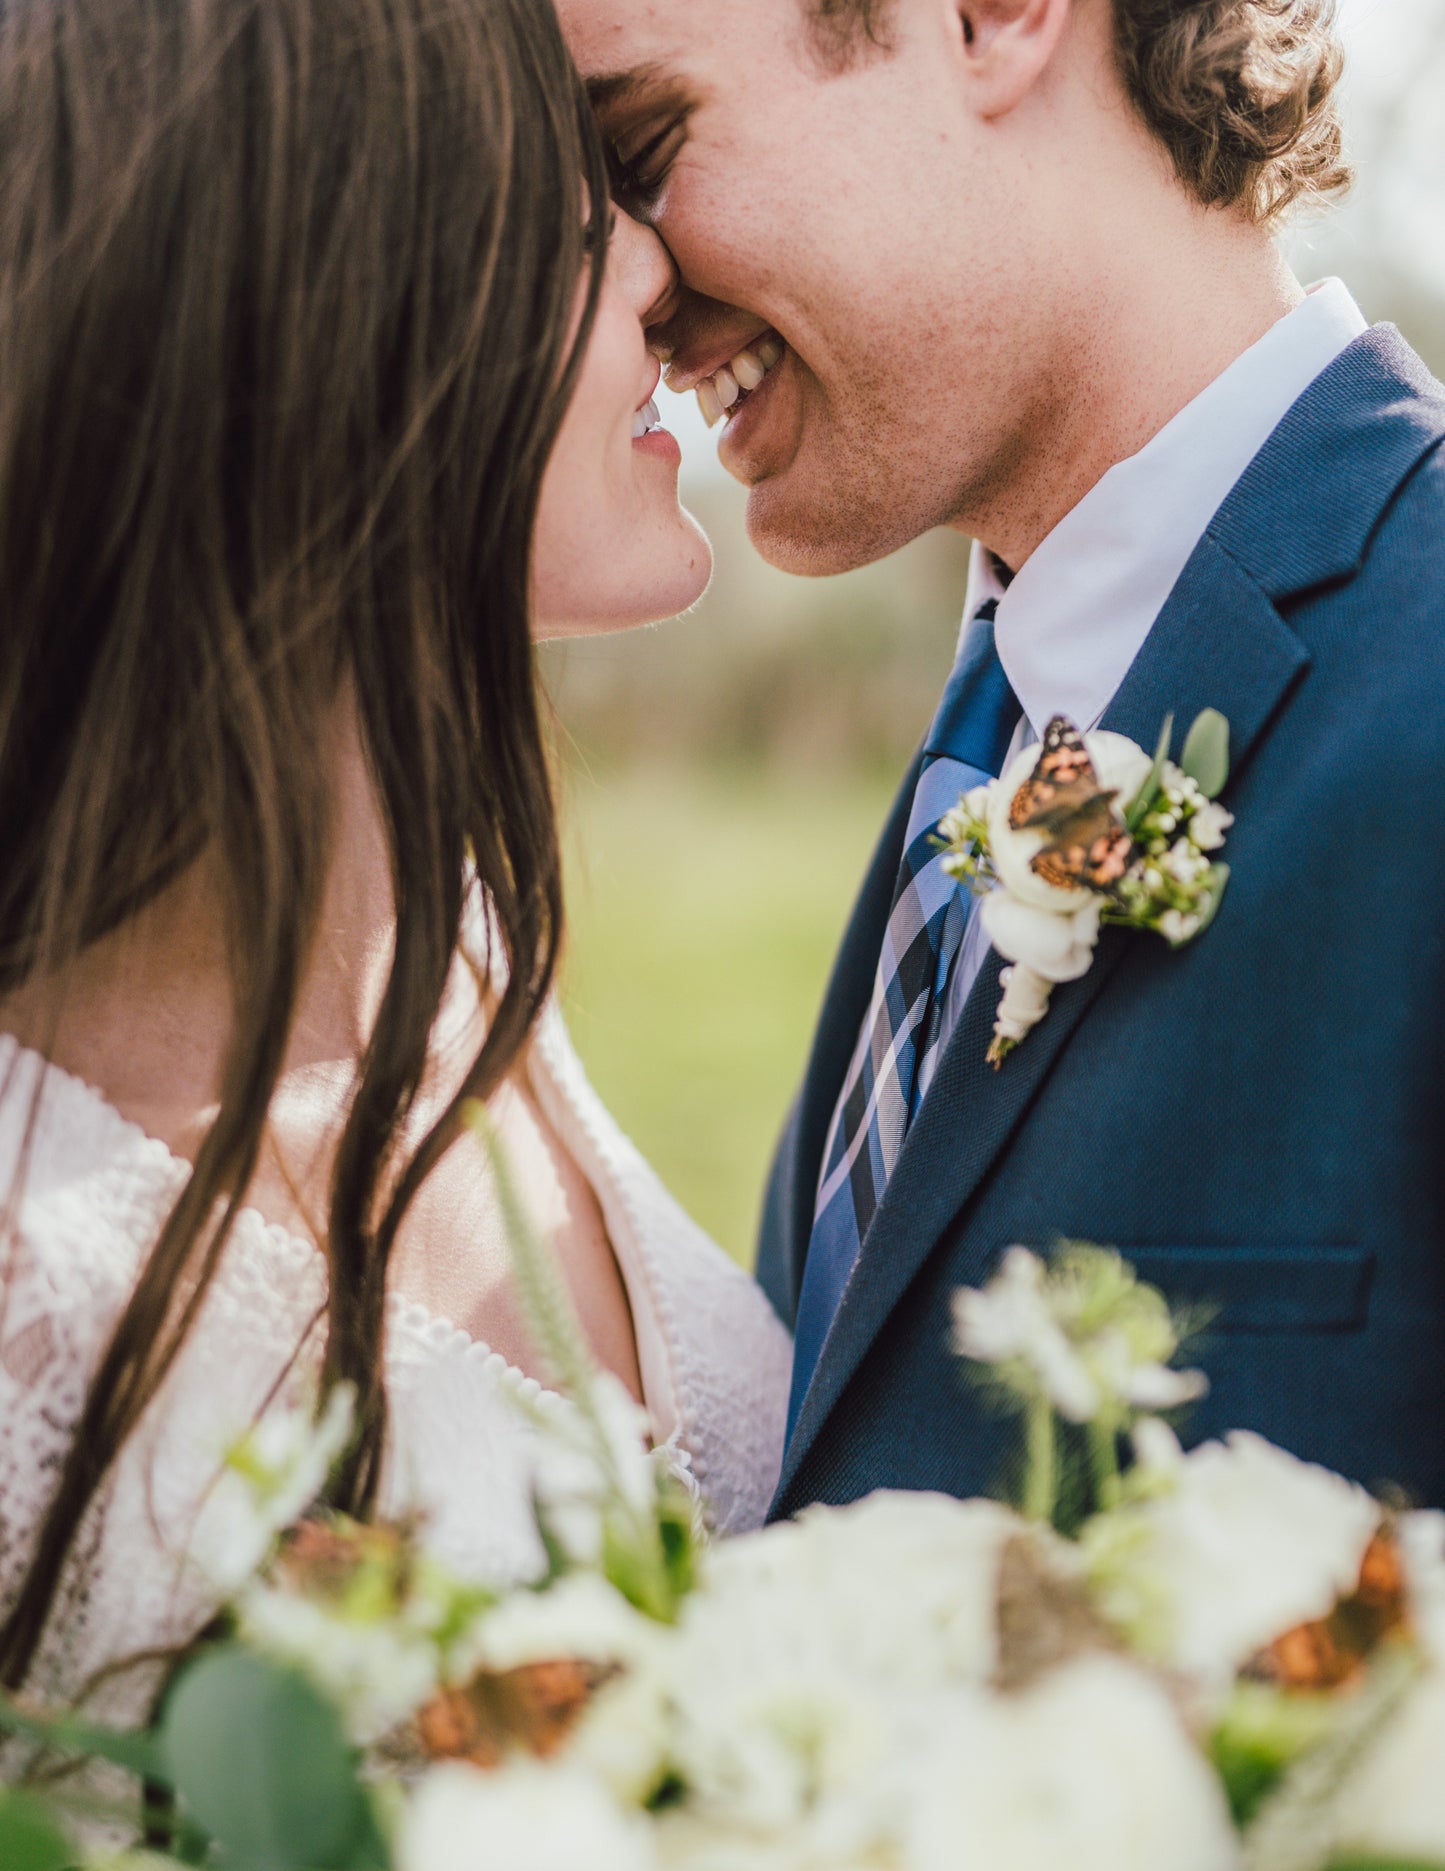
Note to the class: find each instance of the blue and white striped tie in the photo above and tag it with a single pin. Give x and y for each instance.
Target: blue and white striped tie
(966, 746)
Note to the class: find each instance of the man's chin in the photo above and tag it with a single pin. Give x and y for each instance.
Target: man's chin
(817, 532)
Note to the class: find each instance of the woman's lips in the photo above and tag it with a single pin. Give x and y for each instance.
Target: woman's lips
(649, 435)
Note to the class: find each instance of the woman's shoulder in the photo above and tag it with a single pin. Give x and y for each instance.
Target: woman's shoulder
(716, 1361)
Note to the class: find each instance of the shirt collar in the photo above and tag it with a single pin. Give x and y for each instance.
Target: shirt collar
(1076, 615)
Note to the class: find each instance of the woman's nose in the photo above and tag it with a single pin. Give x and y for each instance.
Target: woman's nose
(644, 269)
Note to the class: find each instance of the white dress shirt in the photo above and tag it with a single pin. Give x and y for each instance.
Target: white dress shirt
(1076, 615)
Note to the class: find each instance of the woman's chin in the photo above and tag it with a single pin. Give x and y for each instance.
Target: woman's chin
(666, 581)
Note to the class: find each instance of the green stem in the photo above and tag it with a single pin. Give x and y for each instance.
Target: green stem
(1041, 1481)
(1104, 1449)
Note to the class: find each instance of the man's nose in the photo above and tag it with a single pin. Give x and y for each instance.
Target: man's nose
(645, 271)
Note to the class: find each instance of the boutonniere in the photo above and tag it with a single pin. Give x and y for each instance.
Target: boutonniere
(1088, 830)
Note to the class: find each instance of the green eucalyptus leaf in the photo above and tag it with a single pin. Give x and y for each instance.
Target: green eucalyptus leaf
(1139, 806)
(260, 1759)
(369, 1850)
(29, 1839)
(1206, 753)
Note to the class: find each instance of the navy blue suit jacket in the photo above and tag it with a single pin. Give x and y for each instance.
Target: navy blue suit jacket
(1257, 1121)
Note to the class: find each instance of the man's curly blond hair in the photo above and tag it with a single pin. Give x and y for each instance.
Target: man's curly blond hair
(1242, 93)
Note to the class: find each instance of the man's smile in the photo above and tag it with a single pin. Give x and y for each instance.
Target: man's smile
(723, 383)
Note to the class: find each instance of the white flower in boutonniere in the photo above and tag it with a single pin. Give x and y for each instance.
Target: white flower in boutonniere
(1084, 831)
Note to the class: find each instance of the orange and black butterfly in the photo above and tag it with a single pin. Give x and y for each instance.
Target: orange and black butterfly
(532, 1708)
(1331, 1652)
(1088, 842)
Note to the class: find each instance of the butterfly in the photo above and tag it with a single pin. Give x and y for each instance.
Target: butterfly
(535, 1706)
(1332, 1651)
(1088, 843)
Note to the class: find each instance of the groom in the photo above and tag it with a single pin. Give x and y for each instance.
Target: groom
(1006, 265)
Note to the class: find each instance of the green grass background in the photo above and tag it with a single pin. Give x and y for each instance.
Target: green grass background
(705, 905)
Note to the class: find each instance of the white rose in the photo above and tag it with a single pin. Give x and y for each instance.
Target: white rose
(525, 1817)
(624, 1738)
(1119, 763)
(1089, 1769)
(796, 1685)
(1422, 1545)
(817, 1577)
(1246, 1543)
(1394, 1804)
(1058, 946)
(1209, 824)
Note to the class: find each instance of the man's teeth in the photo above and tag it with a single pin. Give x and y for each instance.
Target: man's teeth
(720, 392)
(646, 418)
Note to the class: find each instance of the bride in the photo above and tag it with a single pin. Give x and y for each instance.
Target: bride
(322, 390)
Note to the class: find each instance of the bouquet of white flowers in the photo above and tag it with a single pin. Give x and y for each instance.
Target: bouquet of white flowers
(1225, 1660)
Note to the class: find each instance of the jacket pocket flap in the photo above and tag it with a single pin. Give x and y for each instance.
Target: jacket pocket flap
(1263, 1289)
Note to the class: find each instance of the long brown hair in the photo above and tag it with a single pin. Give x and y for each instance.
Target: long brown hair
(287, 304)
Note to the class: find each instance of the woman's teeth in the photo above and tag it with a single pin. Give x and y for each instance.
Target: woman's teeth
(725, 388)
(646, 418)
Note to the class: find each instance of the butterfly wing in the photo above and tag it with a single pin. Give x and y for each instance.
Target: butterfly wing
(1063, 779)
(1088, 844)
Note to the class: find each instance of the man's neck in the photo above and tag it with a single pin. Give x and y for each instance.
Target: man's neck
(1151, 342)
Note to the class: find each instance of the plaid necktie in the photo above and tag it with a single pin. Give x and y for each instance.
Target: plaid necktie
(966, 745)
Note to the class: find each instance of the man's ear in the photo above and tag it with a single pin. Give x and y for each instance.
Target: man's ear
(1007, 47)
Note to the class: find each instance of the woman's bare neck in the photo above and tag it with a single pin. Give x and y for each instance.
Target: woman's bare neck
(144, 1014)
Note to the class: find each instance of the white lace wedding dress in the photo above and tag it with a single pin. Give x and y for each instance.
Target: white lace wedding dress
(94, 1190)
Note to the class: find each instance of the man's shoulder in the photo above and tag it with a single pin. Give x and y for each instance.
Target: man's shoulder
(1348, 517)
(1400, 579)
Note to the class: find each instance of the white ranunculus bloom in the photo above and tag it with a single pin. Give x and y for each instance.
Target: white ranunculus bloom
(1090, 1768)
(524, 1817)
(1393, 1805)
(1057, 946)
(1120, 765)
(1245, 1543)
(1010, 1319)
